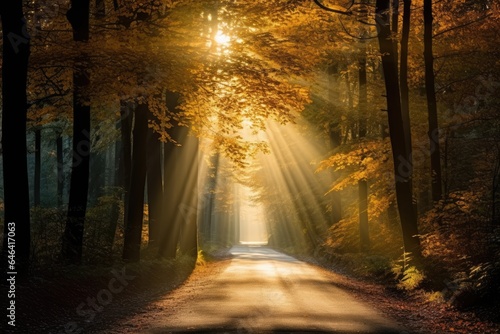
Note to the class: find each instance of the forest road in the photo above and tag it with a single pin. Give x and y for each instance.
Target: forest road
(262, 291)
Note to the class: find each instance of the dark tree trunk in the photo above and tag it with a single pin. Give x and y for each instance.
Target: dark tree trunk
(403, 82)
(395, 23)
(364, 232)
(335, 141)
(117, 180)
(403, 78)
(15, 55)
(123, 152)
(495, 182)
(392, 215)
(173, 186)
(155, 185)
(117, 186)
(401, 156)
(100, 6)
(126, 120)
(60, 170)
(97, 174)
(78, 16)
(335, 136)
(133, 226)
(362, 103)
(38, 162)
(173, 190)
(79, 181)
(209, 216)
(392, 212)
(430, 91)
(189, 207)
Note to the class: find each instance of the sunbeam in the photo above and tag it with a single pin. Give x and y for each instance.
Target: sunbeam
(278, 199)
(253, 229)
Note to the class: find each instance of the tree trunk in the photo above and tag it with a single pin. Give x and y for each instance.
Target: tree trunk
(116, 186)
(335, 136)
(133, 226)
(395, 23)
(173, 186)
(335, 140)
(209, 216)
(430, 91)
(97, 178)
(38, 161)
(78, 16)
(117, 179)
(79, 181)
(362, 103)
(126, 120)
(189, 207)
(155, 185)
(15, 55)
(403, 78)
(100, 6)
(495, 182)
(174, 191)
(60, 170)
(403, 171)
(364, 232)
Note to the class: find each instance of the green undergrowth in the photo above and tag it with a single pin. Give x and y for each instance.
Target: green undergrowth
(465, 289)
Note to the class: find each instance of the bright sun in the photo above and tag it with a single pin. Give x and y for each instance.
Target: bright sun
(222, 39)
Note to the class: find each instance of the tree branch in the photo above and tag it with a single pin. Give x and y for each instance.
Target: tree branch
(460, 26)
(328, 9)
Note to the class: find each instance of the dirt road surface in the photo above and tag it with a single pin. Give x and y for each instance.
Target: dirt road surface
(259, 291)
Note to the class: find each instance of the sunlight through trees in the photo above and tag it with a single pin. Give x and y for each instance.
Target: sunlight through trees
(363, 134)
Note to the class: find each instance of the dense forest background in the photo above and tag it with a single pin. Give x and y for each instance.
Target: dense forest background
(367, 132)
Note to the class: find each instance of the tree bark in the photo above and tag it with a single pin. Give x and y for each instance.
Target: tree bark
(15, 55)
(78, 16)
(189, 207)
(171, 227)
(430, 91)
(335, 136)
(403, 77)
(401, 156)
(155, 185)
(209, 216)
(133, 225)
(79, 181)
(60, 169)
(97, 179)
(173, 186)
(100, 6)
(117, 182)
(364, 232)
(335, 141)
(38, 161)
(126, 119)
(395, 23)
